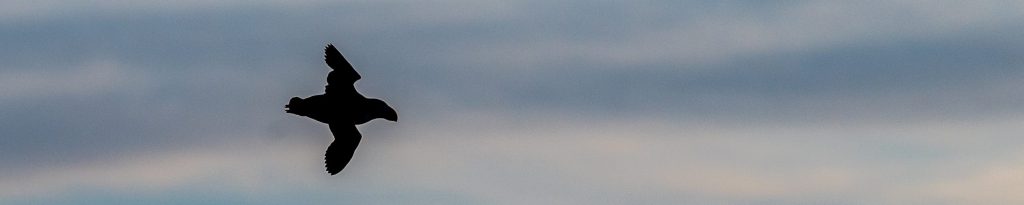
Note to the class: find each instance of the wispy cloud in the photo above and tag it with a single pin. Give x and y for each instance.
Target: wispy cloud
(92, 78)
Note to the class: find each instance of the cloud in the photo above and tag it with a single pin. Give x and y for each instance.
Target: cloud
(92, 78)
(583, 160)
(710, 33)
(555, 102)
(241, 165)
(20, 10)
(993, 183)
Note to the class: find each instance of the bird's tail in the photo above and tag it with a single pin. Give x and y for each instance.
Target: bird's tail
(293, 105)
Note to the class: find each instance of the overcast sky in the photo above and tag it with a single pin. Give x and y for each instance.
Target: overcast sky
(526, 102)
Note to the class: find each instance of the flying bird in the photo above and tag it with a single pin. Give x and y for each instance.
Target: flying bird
(342, 108)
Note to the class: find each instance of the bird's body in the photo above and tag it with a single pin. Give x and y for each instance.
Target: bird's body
(336, 109)
(341, 107)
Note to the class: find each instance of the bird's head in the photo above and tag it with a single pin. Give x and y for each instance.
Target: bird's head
(386, 111)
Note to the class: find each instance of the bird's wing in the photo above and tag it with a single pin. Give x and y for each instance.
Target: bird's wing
(342, 73)
(346, 139)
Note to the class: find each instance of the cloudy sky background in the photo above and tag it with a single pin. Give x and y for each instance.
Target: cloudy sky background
(532, 102)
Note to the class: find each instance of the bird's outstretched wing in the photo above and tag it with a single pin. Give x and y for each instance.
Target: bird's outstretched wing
(342, 73)
(346, 139)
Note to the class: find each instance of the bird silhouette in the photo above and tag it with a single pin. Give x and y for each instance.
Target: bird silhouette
(342, 108)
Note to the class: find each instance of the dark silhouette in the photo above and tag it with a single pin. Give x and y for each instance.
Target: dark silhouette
(342, 108)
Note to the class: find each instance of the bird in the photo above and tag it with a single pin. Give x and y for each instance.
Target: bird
(341, 107)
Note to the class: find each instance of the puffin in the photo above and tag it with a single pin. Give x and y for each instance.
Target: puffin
(341, 107)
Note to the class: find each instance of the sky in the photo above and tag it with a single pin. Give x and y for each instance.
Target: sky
(516, 102)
